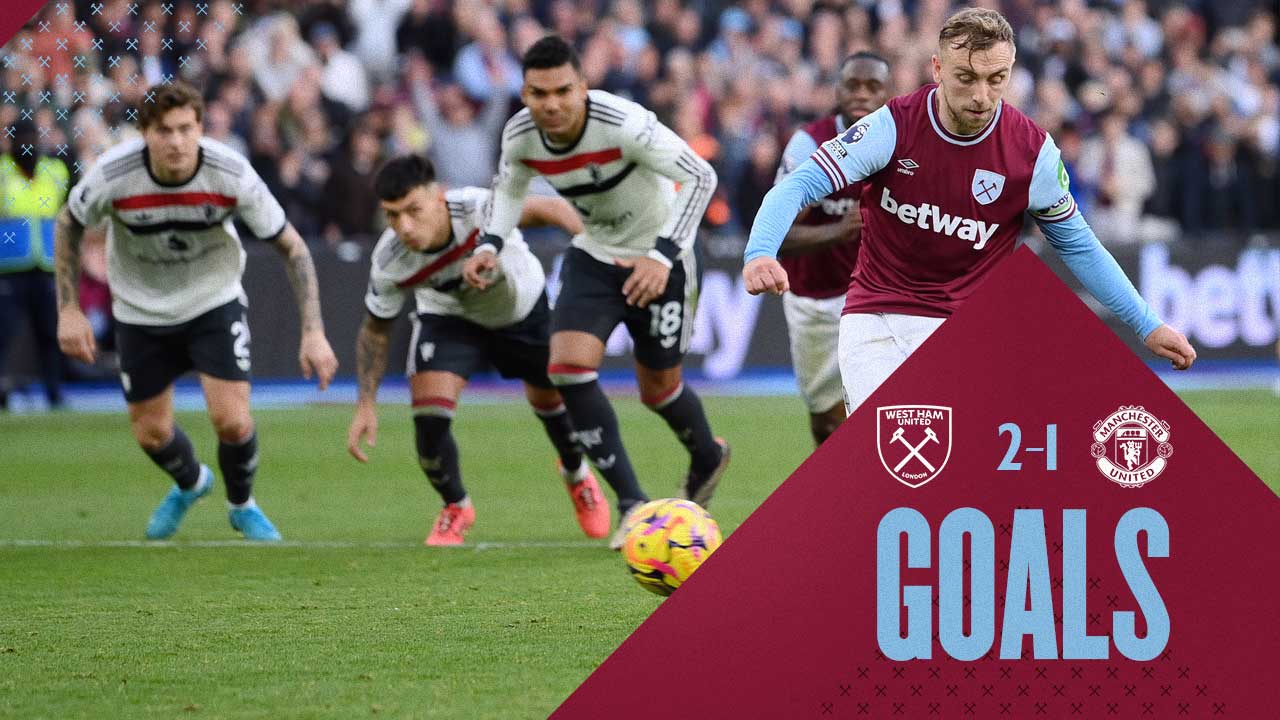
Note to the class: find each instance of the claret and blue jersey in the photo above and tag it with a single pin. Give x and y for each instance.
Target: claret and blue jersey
(942, 210)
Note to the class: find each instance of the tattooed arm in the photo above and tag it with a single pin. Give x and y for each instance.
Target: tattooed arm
(315, 353)
(371, 363)
(371, 356)
(75, 334)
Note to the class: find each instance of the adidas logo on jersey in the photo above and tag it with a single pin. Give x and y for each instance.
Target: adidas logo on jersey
(930, 217)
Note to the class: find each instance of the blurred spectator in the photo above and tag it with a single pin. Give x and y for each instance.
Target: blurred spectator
(376, 22)
(463, 145)
(762, 168)
(1118, 166)
(277, 54)
(351, 178)
(33, 187)
(343, 78)
(429, 29)
(485, 64)
(1195, 80)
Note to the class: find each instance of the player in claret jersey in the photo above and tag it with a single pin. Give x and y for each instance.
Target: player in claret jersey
(499, 318)
(174, 261)
(947, 173)
(619, 167)
(821, 248)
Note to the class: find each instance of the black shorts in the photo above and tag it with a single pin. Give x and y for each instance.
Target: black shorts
(451, 344)
(591, 301)
(153, 356)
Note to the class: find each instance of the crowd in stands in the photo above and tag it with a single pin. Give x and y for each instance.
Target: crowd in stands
(1167, 111)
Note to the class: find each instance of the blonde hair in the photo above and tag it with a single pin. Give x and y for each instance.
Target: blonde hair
(975, 29)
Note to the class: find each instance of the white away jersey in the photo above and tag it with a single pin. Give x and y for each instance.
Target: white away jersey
(435, 278)
(620, 174)
(173, 252)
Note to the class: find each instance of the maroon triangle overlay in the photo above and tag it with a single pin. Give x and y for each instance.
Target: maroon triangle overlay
(16, 13)
(781, 622)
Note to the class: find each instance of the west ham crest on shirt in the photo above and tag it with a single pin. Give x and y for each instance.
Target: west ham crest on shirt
(914, 441)
(987, 186)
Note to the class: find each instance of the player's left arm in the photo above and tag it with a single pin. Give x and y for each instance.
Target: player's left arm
(314, 354)
(655, 146)
(261, 212)
(1065, 228)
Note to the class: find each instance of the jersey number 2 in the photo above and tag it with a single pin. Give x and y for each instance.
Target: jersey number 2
(240, 331)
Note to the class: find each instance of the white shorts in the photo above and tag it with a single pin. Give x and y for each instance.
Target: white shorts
(813, 325)
(873, 345)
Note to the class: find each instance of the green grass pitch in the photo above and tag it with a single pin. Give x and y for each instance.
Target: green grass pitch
(357, 619)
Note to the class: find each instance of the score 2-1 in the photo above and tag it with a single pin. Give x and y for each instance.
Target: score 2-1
(1050, 448)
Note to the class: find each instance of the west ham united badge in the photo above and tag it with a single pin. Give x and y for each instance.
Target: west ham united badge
(914, 441)
(1131, 446)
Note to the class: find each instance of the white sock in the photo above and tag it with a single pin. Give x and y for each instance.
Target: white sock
(576, 476)
(250, 503)
(202, 482)
(464, 502)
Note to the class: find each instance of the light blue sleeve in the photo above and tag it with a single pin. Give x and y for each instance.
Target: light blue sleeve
(799, 148)
(859, 152)
(1055, 211)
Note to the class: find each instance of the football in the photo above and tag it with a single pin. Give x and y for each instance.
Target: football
(669, 539)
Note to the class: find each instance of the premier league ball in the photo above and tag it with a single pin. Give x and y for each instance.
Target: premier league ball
(667, 541)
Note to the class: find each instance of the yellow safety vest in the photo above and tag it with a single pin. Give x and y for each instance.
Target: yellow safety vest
(27, 209)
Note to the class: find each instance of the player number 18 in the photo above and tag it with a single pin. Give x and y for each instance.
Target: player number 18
(1050, 448)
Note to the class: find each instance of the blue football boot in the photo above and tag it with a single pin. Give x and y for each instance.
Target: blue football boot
(168, 516)
(253, 523)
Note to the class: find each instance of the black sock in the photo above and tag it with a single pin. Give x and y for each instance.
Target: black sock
(438, 456)
(178, 459)
(239, 463)
(596, 428)
(560, 430)
(683, 412)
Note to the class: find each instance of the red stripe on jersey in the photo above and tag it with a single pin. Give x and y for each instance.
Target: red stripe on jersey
(141, 202)
(574, 162)
(442, 262)
(441, 402)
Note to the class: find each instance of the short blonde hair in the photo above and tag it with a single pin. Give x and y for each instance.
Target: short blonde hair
(975, 29)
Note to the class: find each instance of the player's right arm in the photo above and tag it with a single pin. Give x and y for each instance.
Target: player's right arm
(806, 239)
(509, 187)
(859, 152)
(87, 204)
(75, 334)
(383, 300)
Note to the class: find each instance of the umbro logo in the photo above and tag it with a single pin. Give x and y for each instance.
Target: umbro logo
(907, 165)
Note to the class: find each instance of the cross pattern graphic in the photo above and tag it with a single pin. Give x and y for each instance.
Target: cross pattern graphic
(59, 97)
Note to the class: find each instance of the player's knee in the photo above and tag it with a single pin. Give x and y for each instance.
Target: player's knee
(152, 434)
(232, 427)
(543, 399)
(656, 392)
(657, 387)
